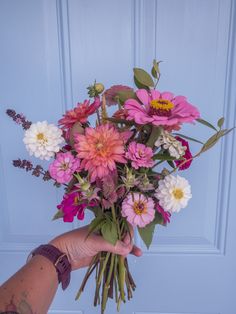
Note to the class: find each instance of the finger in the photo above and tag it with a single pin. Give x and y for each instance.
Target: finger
(119, 248)
(136, 251)
(129, 235)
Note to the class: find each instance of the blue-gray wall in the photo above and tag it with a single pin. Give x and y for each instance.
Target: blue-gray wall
(50, 51)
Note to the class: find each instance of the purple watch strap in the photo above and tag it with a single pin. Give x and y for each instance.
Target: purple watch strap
(59, 260)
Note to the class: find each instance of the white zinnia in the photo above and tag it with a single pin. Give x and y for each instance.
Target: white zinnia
(169, 142)
(43, 140)
(173, 193)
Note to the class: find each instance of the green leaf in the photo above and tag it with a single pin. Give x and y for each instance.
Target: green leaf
(189, 138)
(229, 130)
(109, 232)
(124, 95)
(58, 215)
(204, 122)
(96, 224)
(163, 157)
(171, 164)
(221, 122)
(159, 219)
(143, 77)
(147, 232)
(139, 85)
(213, 140)
(156, 131)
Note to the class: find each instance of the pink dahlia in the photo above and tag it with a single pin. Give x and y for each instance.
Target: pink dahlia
(112, 92)
(138, 209)
(140, 155)
(187, 155)
(79, 114)
(71, 207)
(63, 167)
(160, 108)
(165, 214)
(101, 148)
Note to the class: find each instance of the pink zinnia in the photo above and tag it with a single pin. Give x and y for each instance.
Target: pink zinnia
(187, 155)
(71, 207)
(160, 108)
(79, 114)
(138, 209)
(101, 148)
(140, 155)
(165, 214)
(63, 167)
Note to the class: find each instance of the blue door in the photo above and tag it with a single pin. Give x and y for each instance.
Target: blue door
(50, 51)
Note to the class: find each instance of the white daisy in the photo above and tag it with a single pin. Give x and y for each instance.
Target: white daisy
(173, 193)
(43, 140)
(169, 142)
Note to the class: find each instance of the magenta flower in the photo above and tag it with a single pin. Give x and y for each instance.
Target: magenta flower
(63, 167)
(140, 155)
(71, 207)
(187, 155)
(160, 108)
(165, 214)
(138, 209)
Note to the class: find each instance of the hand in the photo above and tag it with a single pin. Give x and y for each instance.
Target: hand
(80, 249)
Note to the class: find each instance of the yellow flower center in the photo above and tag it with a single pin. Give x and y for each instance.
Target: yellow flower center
(41, 137)
(162, 104)
(140, 207)
(178, 193)
(102, 148)
(99, 146)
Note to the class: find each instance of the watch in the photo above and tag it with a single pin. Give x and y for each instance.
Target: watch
(59, 260)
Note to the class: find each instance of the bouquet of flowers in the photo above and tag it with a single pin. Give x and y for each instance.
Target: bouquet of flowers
(115, 168)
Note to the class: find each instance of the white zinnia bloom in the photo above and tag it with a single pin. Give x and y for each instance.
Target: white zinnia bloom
(169, 142)
(173, 193)
(43, 140)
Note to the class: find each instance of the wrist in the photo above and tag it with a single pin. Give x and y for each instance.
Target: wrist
(58, 260)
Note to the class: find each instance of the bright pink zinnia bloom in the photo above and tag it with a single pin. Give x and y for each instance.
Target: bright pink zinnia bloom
(63, 167)
(140, 155)
(186, 156)
(160, 108)
(138, 209)
(165, 214)
(101, 148)
(79, 114)
(70, 207)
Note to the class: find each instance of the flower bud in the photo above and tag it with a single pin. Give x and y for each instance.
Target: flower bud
(99, 88)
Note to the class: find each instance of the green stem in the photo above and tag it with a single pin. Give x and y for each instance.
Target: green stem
(121, 277)
(103, 268)
(107, 284)
(115, 278)
(91, 268)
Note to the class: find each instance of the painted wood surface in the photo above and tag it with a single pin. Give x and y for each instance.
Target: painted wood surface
(50, 52)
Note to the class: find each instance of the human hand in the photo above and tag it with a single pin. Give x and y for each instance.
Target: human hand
(80, 249)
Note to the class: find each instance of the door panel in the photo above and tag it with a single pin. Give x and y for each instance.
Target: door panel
(50, 52)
